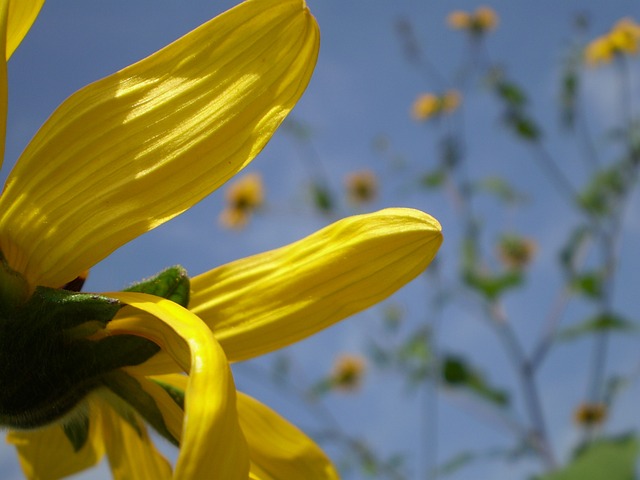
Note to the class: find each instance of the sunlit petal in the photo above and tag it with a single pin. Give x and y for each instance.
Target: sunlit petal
(261, 303)
(47, 454)
(211, 439)
(131, 452)
(22, 14)
(135, 149)
(278, 449)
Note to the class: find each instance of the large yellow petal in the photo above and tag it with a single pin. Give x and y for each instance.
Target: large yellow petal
(261, 303)
(278, 449)
(47, 454)
(131, 452)
(131, 151)
(212, 440)
(22, 14)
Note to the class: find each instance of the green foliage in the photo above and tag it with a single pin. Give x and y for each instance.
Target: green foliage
(598, 324)
(172, 283)
(456, 372)
(492, 286)
(322, 198)
(611, 458)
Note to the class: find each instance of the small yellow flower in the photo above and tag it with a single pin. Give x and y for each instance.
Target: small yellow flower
(429, 105)
(516, 251)
(362, 187)
(244, 196)
(459, 20)
(622, 39)
(426, 106)
(482, 20)
(590, 414)
(348, 372)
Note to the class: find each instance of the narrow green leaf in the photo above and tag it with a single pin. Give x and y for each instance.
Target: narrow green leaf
(457, 373)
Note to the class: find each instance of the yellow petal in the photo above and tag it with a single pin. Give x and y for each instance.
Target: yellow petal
(279, 450)
(47, 454)
(22, 14)
(4, 92)
(133, 150)
(131, 453)
(261, 303)
(211, 439)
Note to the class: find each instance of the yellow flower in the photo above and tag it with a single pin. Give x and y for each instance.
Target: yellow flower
(83, 374)
(348, 372)
(482, 20)
(623, 38)
(516, 251)
(429, 105)
(362, 187)
(243, 196)
(590, 414)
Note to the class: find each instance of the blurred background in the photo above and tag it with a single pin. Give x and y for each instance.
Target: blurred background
(520, 344)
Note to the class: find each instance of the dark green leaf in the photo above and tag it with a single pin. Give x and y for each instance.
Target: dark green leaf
(322, 198)
(457, 373)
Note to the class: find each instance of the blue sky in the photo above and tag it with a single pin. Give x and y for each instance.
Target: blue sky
(362, 87)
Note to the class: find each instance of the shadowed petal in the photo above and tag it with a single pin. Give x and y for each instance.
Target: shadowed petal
(265, 302)
(131, 452)
(47, 454)
(211, 438)
(133, 150)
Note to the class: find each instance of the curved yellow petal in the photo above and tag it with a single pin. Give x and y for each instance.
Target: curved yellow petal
(22, 14)
(131, 452)
(261, 303)
(133, 150)
(278, 449)
(212, 440)
(47, 454)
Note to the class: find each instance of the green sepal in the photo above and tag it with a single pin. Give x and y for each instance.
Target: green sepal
(47, 366)
(128, 389)
(76, 429)
(176, 394)
(172, 284)
(60, 309)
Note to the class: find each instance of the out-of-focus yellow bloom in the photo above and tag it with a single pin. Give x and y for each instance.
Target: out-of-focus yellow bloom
(482, 20)
(622, 39)
(348, 372)
(429, 105)
(362, 187)
(243, 197)
(516, 251)
(590, 414)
